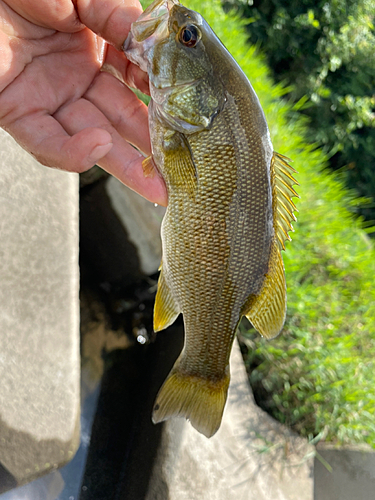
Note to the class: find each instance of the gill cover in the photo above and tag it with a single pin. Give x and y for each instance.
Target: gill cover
(168, 42)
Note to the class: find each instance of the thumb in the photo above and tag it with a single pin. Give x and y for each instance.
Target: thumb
(111, 19)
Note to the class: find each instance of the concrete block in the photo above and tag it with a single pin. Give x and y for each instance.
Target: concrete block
(108, 259)
(348, 473)
(142, 221)
(39, 316)
(252, 457)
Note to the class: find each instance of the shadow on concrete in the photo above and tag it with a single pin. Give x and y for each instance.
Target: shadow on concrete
(124, 441)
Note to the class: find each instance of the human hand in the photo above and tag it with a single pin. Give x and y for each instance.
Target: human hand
(55, 101)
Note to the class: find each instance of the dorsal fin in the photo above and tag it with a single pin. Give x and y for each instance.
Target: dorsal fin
(283, 207)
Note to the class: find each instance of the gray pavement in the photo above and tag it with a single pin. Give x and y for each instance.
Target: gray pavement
(344, 473)
(39, 316)
(142, 221)
(251, 457)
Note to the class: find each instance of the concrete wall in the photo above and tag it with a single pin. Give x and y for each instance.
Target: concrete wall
(39, 316)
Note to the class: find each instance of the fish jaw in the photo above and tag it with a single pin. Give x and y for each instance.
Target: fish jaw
(153, 44)
(150, 27)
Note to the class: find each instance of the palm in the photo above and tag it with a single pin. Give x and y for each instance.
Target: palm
(59, 105)
(54, 78)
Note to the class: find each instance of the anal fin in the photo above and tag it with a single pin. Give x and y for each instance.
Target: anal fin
(166, 309)
(266, 311)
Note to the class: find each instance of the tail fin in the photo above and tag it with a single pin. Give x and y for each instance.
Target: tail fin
(199, 400)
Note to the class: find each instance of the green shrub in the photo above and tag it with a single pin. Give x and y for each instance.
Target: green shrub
(317, 376)
(325, 49)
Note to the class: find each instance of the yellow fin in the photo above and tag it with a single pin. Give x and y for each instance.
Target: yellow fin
(283, 206)
(179, 164)
(197, 399)
(165, 309)
(266, 311)
(148, 166)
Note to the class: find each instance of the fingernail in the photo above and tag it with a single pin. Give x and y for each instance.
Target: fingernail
(99, 151)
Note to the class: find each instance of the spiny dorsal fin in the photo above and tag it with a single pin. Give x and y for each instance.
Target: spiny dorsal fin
(283, 207)
(166, 309)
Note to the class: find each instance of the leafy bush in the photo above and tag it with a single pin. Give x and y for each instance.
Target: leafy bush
(325, 49)
(317, 376)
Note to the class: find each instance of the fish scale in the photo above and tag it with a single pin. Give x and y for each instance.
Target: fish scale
(229, 208)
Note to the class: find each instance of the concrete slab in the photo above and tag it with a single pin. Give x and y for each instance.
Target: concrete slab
(142, 221)
(348, 473)
(39, 316)
(252, 457)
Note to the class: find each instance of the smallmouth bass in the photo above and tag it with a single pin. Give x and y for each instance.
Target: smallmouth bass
(230, 206)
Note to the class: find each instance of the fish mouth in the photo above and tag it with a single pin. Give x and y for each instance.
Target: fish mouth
(150, 27)
(155, 15)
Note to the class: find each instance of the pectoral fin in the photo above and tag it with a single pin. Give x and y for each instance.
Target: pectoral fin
(149, 167)
(179, 164)
(166, 309)
(266, 311)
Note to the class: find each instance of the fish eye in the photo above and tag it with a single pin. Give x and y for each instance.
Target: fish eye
(189, 35)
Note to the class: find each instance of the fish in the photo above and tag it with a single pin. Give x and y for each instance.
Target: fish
(230, 206)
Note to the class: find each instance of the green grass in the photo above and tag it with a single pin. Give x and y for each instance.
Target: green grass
(318, 375)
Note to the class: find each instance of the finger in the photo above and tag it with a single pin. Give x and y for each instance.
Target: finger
(111, 19)
(123, 161)
(43, 137)
(126, 71)
(131, 174)
(127, 114)
(59, 14)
